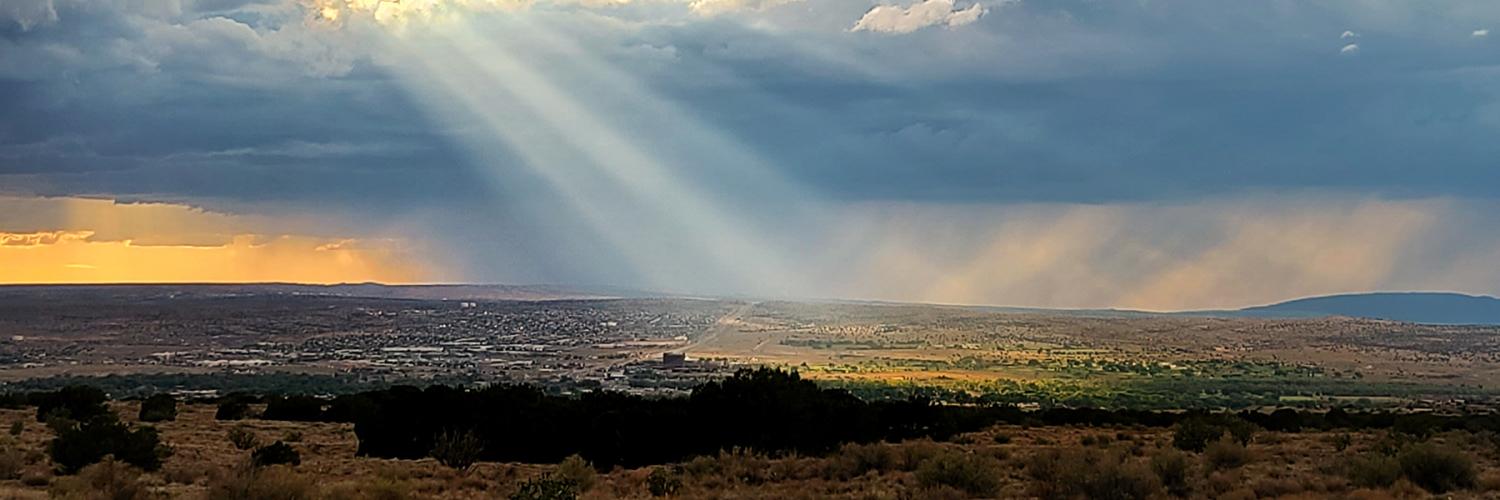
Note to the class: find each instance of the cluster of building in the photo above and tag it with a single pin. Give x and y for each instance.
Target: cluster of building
(619, 345)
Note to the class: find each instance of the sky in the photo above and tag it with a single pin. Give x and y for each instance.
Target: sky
(1144, 154)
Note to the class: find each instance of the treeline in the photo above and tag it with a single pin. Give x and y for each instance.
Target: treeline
(1170, 392)
(125, 386)
(767, 410)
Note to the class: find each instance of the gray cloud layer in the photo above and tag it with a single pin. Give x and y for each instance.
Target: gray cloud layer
(253, 105)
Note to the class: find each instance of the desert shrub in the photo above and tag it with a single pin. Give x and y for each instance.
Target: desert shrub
(1392, 443)
(158, 408)
(911, 454)
(89, 442)
(1372, 470)
(293, 408)
(260, 483)
(735, 466)
(854, 460)
(242, 437)
(547, 487)
(974, 474)
(663, 482)
(17, 427)
(232, 408)
(380, 488)
(75, 402)
(36, 477)
(579, 471)
(186, 472)
(1172, 468)
(1437, 469)
(1194, 433)
(1122, 481)
(106, 480)
(1418, 425)
(1226, 453)
(1342, 441)
(459, 450)
(292, 437)
(11, 461)
(1091, 474)
(1002, 438)
(277, 453)
(1276, 487)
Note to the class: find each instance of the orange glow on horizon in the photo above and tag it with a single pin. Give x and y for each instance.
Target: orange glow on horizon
(72, 258)
(76, 240)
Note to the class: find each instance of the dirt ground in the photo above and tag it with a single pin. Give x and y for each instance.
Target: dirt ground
(1276, 465)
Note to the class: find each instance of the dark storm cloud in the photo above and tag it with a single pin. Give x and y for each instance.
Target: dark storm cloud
(237, 101)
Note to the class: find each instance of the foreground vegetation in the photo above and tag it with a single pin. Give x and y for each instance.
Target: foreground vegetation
(760, 434)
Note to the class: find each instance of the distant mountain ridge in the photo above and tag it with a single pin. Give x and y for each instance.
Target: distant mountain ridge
(1414, 307)
(366, 290)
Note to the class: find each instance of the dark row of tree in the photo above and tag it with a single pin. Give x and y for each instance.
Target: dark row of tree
(768, 410)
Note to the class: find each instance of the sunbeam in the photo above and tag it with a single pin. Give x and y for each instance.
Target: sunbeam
(637, 201)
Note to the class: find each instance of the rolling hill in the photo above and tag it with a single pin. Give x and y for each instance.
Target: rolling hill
(1415, 307)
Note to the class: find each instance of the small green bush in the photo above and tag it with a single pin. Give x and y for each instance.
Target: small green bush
(1121, 481)
(854, 460)
(242, 438)
(1226, 453)
(1194, 433)
(974, 474)
(17, 427)
(663, 482)
(1172, 468)
(277, 453)
(459, 450)
(579, 471)
(1342, 441)
(547, 487)
(1372, 470)
(104, 480)
(1092, 474)
(261, 483)
(89, 442)
(11, 461)
(1437, 469)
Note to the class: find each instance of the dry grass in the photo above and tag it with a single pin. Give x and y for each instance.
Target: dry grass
(206, 466)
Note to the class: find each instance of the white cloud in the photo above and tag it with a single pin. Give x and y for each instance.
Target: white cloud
(926, 13)
(1481, 33)
(1350, 49)
(714, 7)
(1349, 34)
